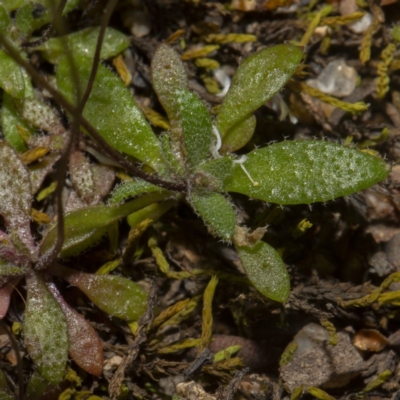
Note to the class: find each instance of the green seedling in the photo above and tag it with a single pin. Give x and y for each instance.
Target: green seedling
(194, 161)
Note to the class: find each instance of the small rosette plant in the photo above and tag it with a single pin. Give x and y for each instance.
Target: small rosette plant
(193, 161)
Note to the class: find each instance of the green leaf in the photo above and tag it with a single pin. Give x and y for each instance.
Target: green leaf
(11, 76)
(265, 270)
(36, 387)
(4, 19)
(239, 135)
(132, 189)
(84, 42)
(216, 212)
(215, 172)
(114, 295)
(86, 226)
(257, 79)
(16, 198)
(152, 212)
(30, 17)
(10, 119)
(45, 330)
(304, 172)
(169, 75)
(196, 127)
(85, 346)
(112, 111)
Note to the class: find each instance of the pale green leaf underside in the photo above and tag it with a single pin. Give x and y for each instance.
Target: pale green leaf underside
(257, 79)
(111, 109)
(45, 330)
(216, 212)
(265, 270)
(304, 172)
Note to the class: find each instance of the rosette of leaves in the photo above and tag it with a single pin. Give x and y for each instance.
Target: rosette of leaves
(198, 151)
(51, 328)
(194, 160)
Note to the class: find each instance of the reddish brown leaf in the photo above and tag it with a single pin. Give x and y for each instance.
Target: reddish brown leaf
(85, 346)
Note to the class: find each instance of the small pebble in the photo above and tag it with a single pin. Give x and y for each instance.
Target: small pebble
(336, 79)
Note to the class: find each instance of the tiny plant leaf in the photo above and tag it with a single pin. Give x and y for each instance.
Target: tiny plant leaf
(114, 295)
(10, 120)
(257, 79)
(45, 330)
(11, 77)
(196, 127)
(123, 126)
(216, 212)
(169, 75)
(305, 172)
(16, 198)
(84, 42)
(265, 270)
(85, 346)
(81, 226)
(239, 135)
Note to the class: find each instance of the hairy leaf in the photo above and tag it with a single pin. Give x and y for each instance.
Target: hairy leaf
(257, 79)
(85, 346)
(10, 120)
(84, 42)
(216, 212)
(169, 75)
(303, 172)
(265, 270)
(132, 189)
(114, 295)
(196, 127)
(11, 77)
(16, 198)
(45, 330)
(123, 126)
(37, 387)
(216, 172)
(83, 227)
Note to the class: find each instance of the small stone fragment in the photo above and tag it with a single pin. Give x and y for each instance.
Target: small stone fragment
(336, 79)
(392, 249)
(362, 24)
(192, 391)
(323, 365)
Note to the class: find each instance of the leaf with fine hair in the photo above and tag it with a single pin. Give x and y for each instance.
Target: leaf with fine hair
(15, 199)
(45, 330)
(256, 80)
(86, 226)
(84, 42)
(196, 127)
(117, 296)
(216, 212)
(304, 172)
(265, 270)
(85, 346)
(123, 126)
(11, 76)
(132, 189)
(168, 76)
